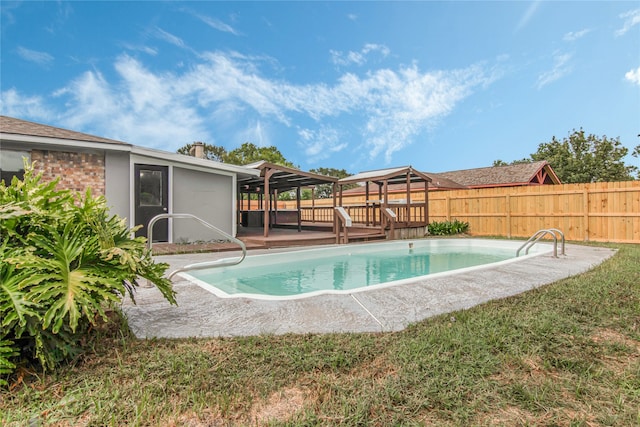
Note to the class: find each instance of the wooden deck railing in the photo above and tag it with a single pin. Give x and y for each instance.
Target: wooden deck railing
(367, 214)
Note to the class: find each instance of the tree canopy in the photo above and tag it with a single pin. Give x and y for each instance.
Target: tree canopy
(211, 152)
(584, 158)
(325, 191)
(250, 153)
(243, 155)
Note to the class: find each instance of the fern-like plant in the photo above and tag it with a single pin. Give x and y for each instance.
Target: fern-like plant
(447, 228)
(64, 261)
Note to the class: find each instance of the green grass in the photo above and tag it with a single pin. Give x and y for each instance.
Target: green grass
(566, 354)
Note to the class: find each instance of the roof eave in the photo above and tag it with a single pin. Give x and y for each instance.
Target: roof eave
(60, 142)
(397, 172)
(206, 163)
(263, 165)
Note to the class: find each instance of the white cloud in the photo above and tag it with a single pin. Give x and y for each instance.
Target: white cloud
(573, 36)
(408, 102)
(169, 38)
(381, 111)
(358, 58)
(561, 68)
(633, 76)
(142, 108)
(255, 132)
(528, 14)
(141, 48)
(64, 11)
(631, 18)
(40, 58)
(320, 144)
(14, 104)
(216, 24)
(352, 16)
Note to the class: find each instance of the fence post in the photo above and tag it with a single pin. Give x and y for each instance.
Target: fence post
(448, 206)
(585, 207)
(508, 208)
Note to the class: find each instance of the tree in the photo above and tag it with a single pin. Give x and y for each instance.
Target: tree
(243, 155)
(324, 191)
(499, 162)
(211, 152)
(250, 153)
(584, 158)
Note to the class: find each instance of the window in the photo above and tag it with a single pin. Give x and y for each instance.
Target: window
(150, 188)
(12, 164)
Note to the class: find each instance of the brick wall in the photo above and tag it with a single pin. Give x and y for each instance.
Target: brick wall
(77, 171)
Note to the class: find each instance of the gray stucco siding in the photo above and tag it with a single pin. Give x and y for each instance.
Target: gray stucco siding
(208, 196)
(117, 183)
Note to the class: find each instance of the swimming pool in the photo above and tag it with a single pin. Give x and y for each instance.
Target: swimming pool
(353, 268)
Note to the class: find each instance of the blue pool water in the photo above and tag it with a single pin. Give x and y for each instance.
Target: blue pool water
(349, 268)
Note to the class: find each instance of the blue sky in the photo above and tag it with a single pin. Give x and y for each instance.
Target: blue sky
(348, 85)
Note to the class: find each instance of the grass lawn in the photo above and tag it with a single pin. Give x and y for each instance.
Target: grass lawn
(565, 354)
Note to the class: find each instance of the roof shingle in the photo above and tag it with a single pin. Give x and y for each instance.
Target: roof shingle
(518, 174)
(15, 126)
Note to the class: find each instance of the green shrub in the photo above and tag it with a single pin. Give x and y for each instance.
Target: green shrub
(63, 262)
(447, 228)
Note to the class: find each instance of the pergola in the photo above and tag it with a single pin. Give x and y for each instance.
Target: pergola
(275, 179)
(385, 177)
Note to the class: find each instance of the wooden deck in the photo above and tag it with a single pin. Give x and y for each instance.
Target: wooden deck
(288, 235)
(279, 237)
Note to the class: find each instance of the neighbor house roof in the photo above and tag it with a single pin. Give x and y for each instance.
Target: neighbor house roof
(512, 175)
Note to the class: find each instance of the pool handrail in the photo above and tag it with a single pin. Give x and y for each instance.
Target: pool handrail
(198, 265)
(539, 235)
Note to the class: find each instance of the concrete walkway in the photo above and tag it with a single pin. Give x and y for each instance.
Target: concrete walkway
(201, 314)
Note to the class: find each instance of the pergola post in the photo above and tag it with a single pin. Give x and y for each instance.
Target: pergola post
(267, 207)
(275, 206)
(366, 203)
(335, 219)
(385, 203)
(313, 204)
(380, 201)
(426, 203)
(386, 193)
(239, 207)
(298, 207)
(408, 218)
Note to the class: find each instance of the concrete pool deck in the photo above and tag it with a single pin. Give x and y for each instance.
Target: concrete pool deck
(200, 313)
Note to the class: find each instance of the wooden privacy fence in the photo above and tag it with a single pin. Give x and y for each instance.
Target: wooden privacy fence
(600, 212)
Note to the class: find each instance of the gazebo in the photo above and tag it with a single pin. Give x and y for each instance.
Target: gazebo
(273, 180)
(404, 211)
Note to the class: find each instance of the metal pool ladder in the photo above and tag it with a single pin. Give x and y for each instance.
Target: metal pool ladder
(539, 235)
(199, 265)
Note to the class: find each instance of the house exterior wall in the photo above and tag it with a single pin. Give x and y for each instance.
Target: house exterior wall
(117, 183)
(77, 170)
(208, 196)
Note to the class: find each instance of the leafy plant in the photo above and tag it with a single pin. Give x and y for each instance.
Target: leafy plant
(447, 228)
(64, 262)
